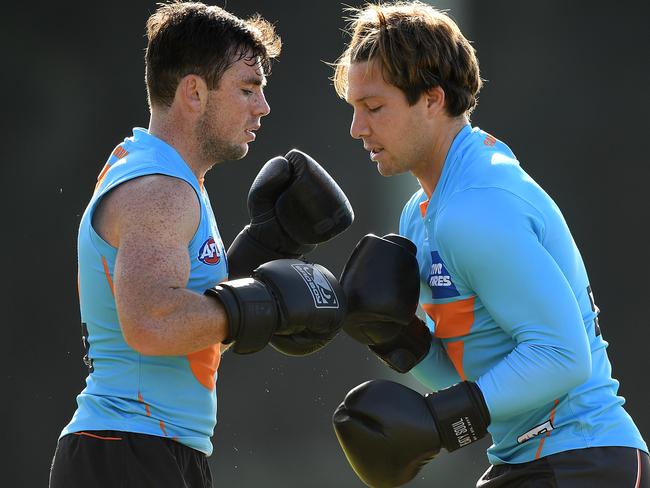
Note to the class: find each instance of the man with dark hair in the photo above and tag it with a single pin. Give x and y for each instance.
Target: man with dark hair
(155, 296)
(511, 343)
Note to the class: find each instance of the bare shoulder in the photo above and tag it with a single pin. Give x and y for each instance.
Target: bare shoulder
(159, 205)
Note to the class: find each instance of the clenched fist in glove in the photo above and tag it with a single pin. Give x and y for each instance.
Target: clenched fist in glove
(294, 204)
(388, 431)
(296, 306)
(382, 282)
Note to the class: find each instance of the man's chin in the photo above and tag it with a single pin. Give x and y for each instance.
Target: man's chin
(235, 152)
(385, 170)
(241, 151)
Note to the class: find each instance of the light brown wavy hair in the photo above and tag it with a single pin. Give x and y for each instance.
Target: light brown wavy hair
(193, 38)
(418, 48)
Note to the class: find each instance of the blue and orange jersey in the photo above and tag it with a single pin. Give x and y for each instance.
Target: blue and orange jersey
(509, 305)
(170, 396)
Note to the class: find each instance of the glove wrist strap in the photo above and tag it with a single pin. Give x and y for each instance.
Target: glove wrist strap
(252, 313)
(460, 413)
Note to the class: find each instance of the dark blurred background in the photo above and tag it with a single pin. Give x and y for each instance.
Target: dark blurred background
(567, 89)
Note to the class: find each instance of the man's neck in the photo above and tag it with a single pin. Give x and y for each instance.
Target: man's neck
(429, 173)
(179, 136)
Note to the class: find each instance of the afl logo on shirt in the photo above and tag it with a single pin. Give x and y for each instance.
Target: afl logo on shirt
(209, 252)
(439, 279)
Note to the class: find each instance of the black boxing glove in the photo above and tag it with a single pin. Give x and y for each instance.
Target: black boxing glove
(328, 295)
(284, 299)
(382, 283)
(389, 431)
(294, 204)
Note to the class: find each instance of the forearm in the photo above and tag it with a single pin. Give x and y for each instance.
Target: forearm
(176, 322)
(525, 290)
(543, 372)
(436, 371)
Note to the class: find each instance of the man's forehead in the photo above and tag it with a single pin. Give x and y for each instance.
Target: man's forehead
(364, 81)
(248, 70)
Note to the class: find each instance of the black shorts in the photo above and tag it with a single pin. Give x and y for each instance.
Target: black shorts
(113, 459)
(595, 467)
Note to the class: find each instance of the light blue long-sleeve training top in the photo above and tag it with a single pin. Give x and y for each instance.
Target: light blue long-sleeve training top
(509, 306)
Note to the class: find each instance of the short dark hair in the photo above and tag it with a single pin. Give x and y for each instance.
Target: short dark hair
(193, 38)
(417, 48)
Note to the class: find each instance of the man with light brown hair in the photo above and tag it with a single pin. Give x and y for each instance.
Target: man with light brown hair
(511, 343)
(156, 287)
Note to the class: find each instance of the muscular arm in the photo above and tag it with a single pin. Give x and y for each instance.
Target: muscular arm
(491, 241)
(150, 220)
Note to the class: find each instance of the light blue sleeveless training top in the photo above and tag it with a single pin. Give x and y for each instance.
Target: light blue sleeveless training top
(170, 396)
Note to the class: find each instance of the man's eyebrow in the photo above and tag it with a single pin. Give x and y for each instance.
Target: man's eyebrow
(359, 100)
(257, 81)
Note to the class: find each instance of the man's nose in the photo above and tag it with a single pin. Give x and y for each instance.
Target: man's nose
(359, 127)
(263, 107)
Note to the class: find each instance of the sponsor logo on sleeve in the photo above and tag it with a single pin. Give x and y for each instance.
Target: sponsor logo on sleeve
(321, 290)
(209, 252)
(489, 140)
(535, 431)
(439, 279)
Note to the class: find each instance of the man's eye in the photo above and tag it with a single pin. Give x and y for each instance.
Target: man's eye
(247, 92)
(374, 109)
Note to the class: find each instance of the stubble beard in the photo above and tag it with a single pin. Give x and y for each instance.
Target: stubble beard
(213, 146)
(387, 168)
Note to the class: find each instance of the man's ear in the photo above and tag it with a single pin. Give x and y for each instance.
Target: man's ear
(192, 94)
(435, 98)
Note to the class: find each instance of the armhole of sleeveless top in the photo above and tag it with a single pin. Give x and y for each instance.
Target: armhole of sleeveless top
(98, 241)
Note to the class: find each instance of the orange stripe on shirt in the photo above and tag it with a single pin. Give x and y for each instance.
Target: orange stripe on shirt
(88, 434)
(108, 274)
(119, 152)
(204, 365)
(541, 442)
(453, 320)
(423, 207)
(455, 351)
(102, 175)
(146, 406)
